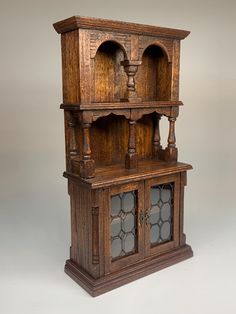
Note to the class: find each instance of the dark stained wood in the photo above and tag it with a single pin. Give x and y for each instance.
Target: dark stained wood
(122, 105)
(155, 71)
(131, 68)
(76, 22)
(131, 160)
(128, 274)
(156, 135)
(117, 264)
(109, 77)
(70, 68)
(118, 174)
(109, 140)
(119, 80)
(158, 249)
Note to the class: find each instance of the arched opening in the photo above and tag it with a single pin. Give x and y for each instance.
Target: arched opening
(153, 79)
(109, 77)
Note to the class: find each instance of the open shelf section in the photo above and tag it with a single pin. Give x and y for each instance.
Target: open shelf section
(117, 174)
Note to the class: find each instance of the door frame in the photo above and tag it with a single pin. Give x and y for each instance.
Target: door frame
(161, 248)
(114, 265)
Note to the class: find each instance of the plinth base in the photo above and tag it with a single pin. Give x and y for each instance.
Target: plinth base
(143, 268)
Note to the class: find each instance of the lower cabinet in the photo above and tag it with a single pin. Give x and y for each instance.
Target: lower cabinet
(122, 232)
(142, 219)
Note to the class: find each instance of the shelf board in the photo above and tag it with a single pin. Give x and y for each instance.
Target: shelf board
(117, 174)
(121, 105)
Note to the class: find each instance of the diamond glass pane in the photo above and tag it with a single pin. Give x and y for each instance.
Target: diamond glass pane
(123, 224)
(161, 213)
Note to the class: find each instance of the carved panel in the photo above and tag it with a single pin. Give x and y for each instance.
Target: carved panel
(102, 113)
(97, 38)
(95, 235)
(137, 114)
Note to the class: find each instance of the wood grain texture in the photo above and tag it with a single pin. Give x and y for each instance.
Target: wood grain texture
(70, 67)
(155, 71)
(117, 174)
(109, 77)
(128, 274)
(76, 22)
(119, 80)
(121, 105)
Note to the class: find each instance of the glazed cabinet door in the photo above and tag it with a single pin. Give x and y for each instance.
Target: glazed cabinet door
(123, 230)
(161, 214)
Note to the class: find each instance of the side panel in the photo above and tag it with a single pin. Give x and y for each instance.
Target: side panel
(81, 231)
(70, 67)
(175, 71)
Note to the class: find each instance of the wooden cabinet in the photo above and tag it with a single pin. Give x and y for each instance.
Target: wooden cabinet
(126, 188)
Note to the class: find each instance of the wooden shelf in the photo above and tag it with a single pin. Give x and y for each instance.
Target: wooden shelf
(117, 174)
(121, 105)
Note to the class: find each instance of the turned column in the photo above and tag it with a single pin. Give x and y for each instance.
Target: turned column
(131, 158)
(72, 144)
(87, 166)
(131, 68)
(156, 136)
(171, 151)
(70, 136)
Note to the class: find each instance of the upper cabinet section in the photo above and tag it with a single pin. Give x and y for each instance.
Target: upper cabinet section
(109, 64)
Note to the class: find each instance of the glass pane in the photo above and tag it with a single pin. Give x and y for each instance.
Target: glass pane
(155, 195)
(154, 214)
(160, 213)
(116, 247)
(115, 205)
(116, 226)
(123, 224)
(155, 233)
(165, 231)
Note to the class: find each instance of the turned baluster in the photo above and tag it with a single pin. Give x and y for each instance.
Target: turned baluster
(72, 139)
(86, 141)
(131, 68)
(171, 137)
(171, 152)
(156, 137)
(131, 160)
(87, 166)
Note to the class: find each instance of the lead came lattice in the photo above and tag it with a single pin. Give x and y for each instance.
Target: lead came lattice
(123, 224)
(160, 216)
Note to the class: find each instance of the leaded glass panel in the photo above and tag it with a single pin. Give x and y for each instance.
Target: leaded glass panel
(123, 224)
(161, 213)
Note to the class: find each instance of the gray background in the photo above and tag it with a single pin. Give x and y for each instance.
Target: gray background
(34, 230)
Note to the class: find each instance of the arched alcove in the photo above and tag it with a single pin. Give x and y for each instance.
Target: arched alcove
(153, 79)
(109, 77)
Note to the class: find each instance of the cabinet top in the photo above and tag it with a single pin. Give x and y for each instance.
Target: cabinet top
(76, 22)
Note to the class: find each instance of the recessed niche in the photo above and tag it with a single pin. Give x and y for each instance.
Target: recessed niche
(110, 80)
(109, 140)
(153, 79)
